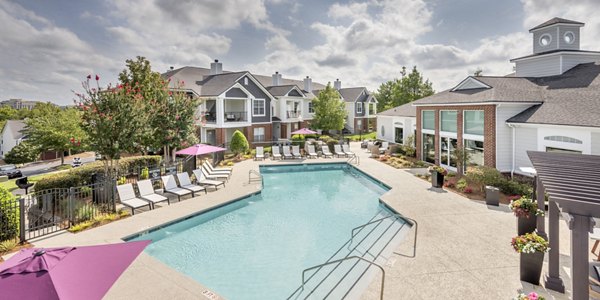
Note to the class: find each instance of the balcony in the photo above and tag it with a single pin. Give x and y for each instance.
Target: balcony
(293, 114)
(236, 116)
(210, 118)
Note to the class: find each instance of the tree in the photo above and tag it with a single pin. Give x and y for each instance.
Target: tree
(409, 87)
(478, 72)
(55, 130)
(239, 143)
(8, 113)
(330, 111)
(22, 153)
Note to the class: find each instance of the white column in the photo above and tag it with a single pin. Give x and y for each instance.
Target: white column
(220, 112)
(249, 108)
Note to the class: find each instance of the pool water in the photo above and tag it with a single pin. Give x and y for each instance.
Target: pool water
(256, 248)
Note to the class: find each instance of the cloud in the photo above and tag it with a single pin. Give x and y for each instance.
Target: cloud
(337, 61)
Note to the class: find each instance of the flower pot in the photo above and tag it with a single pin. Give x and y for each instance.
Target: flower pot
(437, 179)
(492, 195)
(530, 267)
(526, 224)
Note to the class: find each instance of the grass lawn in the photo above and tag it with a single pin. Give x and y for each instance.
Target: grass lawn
(10, 185)
(364, 136)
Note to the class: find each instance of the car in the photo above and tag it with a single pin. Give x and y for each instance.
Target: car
(10, 171)
(76, 162)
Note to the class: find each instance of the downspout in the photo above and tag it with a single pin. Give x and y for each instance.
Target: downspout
(514, 148)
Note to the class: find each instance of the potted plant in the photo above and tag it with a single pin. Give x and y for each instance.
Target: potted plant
(526, 211)
(530, 296)
(532, 247)
(437, 176)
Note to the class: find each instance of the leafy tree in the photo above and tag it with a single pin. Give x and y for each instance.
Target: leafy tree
(478, 72)
(55, 129)
(409, 87)
(239, 143)
(8, 113)
(22, 153)
(9, 216)
(330, 111)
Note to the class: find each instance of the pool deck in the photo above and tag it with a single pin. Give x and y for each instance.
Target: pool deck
(463, 246)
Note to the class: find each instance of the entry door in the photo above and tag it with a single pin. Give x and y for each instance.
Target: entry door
(211, 137)
(447, 147)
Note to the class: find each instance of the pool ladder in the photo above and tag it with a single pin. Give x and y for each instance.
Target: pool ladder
(254, 175)
(298, 292)
(355, 160)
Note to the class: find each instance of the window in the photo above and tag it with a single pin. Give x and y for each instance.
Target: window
(259, 134)
(429, 148)
(399, 135)
(448, 120)
(258, 107)
(564, 139)
(447, 148)
(473, 122)
(428, 119)
(311, 109)
(569, 37)
(382, 130)
(358, 124)
(559, 150)
(545, 40)
(245, 80)
(475, 151)
(359, 107)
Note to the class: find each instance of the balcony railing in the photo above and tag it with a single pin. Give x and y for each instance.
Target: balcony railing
(293, 114)
(236, 116)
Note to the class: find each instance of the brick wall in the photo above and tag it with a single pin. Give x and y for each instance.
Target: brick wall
(489, 131)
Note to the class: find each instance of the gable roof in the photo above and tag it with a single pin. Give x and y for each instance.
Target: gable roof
(556, 20)
(404, 110)
(470, 83)
(215, 85)
(354, 94)
(282, 90)
(15, 127)
(268, 81)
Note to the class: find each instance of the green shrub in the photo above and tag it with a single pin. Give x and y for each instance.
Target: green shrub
(22, 153)
(64, 167)
(8, 245)
(9, 215)
(85, 212)
(145, 174)
(239, 143)
(481, 176)
(311, 136)
(122, 180)
(461, 184)
(513, 187)
(324, 138)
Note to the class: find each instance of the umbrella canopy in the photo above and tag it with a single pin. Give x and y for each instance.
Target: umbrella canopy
(66, 273)
(304, 131)
(200, 149)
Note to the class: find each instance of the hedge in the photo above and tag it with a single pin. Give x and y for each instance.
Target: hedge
(83, 175)
(9, 216)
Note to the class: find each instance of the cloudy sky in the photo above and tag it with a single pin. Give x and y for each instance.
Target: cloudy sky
(48, 47)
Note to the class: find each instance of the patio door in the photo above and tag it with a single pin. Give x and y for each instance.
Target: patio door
(447, 147)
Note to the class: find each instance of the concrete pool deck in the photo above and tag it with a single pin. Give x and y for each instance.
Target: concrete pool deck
(463, 246)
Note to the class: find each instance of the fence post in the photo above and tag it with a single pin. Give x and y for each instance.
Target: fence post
(71, 206)
(22, 220)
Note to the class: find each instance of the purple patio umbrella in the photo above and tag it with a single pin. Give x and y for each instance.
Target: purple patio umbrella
(85, 272)
(304, 131)
(200, 149)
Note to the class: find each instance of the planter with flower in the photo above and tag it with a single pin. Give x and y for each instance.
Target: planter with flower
(532, 247)
(530, 296)
(526, 211)
(437, 176)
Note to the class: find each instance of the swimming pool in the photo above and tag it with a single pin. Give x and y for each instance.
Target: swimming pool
(257, 247)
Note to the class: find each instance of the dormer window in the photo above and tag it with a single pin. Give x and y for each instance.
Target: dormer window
(245, 80)
(545, 40)
(569, 37)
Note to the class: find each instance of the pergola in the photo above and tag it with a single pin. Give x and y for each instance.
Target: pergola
(573, 186)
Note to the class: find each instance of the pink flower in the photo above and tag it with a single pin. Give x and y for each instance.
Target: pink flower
(89, 76)
(97, 77)
(532, 296)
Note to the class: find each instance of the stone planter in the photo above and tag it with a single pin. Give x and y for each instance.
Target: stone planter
(437, 180)
(492, 195)
(530, 267)
(526, 224)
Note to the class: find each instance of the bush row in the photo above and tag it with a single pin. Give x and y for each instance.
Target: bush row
(481, 176)
(83, 175)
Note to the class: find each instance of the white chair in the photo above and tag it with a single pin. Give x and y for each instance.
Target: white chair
(369, 145)
(219, 169)
(346, 149)
(186, 183)
(311, 151)
(275, 152)
(296, 152)
(325, 151)
(201, 179)
(337, 150)
(213, 176)
(147, 193)
(129, 199)
(170, 186)
(384, 147)
(260, 153)
(211, 170)
(286, 152)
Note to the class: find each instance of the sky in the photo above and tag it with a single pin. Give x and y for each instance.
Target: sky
(48, 47)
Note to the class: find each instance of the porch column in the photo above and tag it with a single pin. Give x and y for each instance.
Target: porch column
(580, 227)
(552, 279)
(540, 193)
(220, 112)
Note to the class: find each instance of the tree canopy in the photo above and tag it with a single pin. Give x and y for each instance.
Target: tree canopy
(239, 143)
(22, 153)
(330, 111)
(409, 87)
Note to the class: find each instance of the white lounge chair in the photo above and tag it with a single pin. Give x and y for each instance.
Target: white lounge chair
(129, 199)
(260, 153)
(213, 176)
(369, 145)
(384, 147)
(286, 152)
(325, 151)
(170, 186)
(186, 183)
(337, 150)
(346, 149)
(219, 169)
(201, 179)
(296, 152)
(147, 193)
(211, 170)
(275, 152)
(311, 151)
